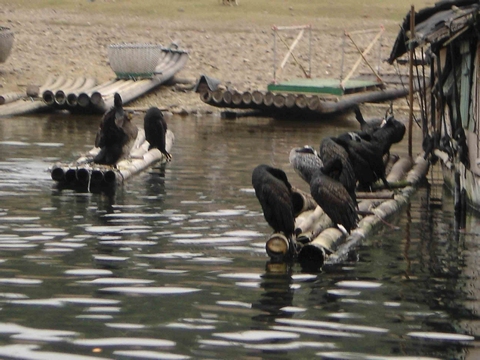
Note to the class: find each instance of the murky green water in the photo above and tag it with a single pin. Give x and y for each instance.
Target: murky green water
(174, 266)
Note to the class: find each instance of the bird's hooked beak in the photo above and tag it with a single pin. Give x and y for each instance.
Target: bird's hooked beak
(307, 150)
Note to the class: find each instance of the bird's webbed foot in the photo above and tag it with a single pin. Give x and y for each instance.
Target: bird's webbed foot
(168, 156)
(386, 184)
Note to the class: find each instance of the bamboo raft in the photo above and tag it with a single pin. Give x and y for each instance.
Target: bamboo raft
(84, 175)
(303, 100)
(322, 244)
(83, 95)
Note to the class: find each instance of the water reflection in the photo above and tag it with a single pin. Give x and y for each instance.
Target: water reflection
(173, 265)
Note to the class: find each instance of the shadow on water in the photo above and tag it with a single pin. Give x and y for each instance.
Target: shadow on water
(173, 264)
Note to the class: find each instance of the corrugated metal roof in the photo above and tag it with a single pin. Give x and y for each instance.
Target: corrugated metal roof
(436, 24)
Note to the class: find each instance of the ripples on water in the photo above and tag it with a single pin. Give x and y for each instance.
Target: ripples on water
(174, 266)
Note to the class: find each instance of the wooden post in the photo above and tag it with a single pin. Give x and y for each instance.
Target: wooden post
(412, 49)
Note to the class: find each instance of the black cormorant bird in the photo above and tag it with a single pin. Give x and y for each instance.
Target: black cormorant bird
(116, 135)
(366, 158)
(391, 132)
(305, 161)
(155, 128)
(331, 151)
(333, 198)
(370, 126)
(273, 191)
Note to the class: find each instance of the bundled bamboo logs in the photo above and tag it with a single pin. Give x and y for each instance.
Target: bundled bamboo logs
(83, 174)
(328, 245)
(83, 95)
(319, 242)
(297, 103)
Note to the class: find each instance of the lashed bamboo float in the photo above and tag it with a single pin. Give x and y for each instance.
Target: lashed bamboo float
(332, 246)
(11, 97)
(315, 229)
(83, 174)
(72, 97)
(303, 104)
(277, 245)
(26, 104)
(311, 227)
(48, 94)
(237, 98)
(80, 92)
(268, 99)
(83, 98)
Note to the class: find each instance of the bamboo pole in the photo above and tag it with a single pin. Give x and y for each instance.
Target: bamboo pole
(302, 201)
(257, 97)
(313, 102)
(301, 101)
(73, 96)
(279, 101)
(268, 99)
(290, 101)
(24, 106)
(206, 96)
(363, 54)
(237, 98)
(290, 50)
(83, 98)
(60, 95)
(217, 96)
(227, 97)
(388, 208)
(247, 98)
(277, 246)
(410, 80)
(11, 97)
(377, 195)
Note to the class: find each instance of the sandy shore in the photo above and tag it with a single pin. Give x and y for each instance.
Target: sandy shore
(49, 42)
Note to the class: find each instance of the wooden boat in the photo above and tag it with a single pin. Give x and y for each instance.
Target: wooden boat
(446, 38)
(84, 175)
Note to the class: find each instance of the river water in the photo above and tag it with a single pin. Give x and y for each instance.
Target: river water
(174, 265)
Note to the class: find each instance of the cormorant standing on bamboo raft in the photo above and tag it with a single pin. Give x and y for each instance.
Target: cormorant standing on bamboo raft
(305, 161)
(391, 132)
(331, 151)
(274, 193)
(116, 134)
(366, 158)
(155, 128)
(332, 196)
(367, 127)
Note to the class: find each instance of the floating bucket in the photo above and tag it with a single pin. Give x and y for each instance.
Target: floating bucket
(133, 61)
(6, 43)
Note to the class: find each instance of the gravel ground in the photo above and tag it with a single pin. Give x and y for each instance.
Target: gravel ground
(52, 42)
